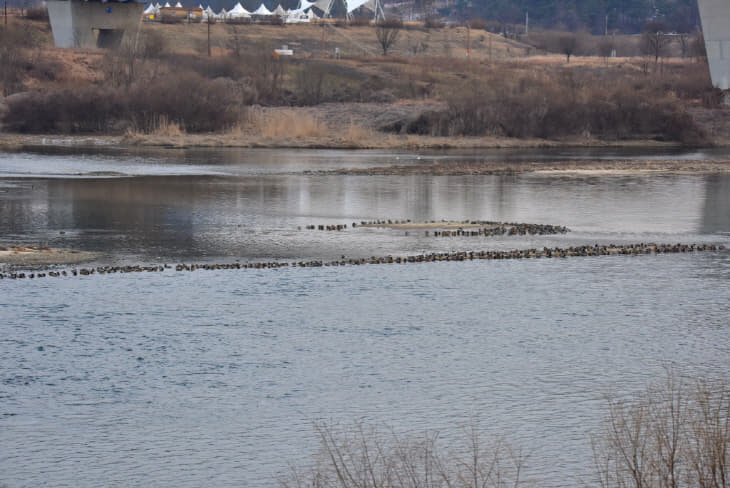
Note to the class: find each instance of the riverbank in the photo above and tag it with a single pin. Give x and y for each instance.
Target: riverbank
(555, 168)
(29, 256)
(363, 139)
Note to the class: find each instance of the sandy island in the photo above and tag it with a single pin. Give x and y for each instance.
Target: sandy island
(41, 255)
(569, 167)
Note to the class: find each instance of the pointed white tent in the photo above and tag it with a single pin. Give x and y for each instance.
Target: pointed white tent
(262, 10)
(279, 10)
(178, 5)
(151, 10)
(167, 4)
(208, 13)
(238, 12)
(222, 14)
(304, 5)
(355, 4)
(324, 5)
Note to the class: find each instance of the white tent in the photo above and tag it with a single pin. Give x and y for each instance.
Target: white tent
(178, 5)
(351, 5)
(238, 12)
(222, 14)
(167, 4)
(208, 13)
(304, 5)
(158, 6)
(355, 4)
(279, 11)
(262, 10)
(151, 10)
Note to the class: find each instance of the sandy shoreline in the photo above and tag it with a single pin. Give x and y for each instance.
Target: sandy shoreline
(366, 140)
(567, 168)
(37, 255)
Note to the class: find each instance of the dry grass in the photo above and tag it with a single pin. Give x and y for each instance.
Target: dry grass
(677, 434)
(368, 457)
(285, 124)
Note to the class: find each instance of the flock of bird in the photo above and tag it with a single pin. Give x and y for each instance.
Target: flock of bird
(595, 250)
(483, 228)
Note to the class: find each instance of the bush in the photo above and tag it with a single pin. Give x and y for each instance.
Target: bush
(360, 21)
(562, 105)
(368, 457)
(37, 13)
(15, 57)
(433, 22)
(194, 103)
(675, 434)
(479, 24)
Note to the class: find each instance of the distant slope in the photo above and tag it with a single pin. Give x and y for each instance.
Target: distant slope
(625, 15)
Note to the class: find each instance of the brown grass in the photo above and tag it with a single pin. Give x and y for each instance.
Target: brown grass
(285, 124)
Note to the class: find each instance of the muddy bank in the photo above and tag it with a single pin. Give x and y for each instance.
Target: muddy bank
(585, 167)
(545, 253)
(42, 256)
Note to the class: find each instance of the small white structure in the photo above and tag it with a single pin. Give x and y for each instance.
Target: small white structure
(151, 10)
(374, 6)
(262, 10)
(715, 16)
(178, 5)
(238, 12)
(279, 11)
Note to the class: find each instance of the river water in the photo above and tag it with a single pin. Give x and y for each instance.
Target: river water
(215, 378)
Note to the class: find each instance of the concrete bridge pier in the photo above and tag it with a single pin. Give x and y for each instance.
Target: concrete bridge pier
(90, 24)
(715, 17)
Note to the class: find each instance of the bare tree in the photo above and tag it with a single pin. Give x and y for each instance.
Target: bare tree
(671, 436)
(699, 50)
(654, 40)
(369, 457)
(568, 44)
(387, 32)
(606, 47)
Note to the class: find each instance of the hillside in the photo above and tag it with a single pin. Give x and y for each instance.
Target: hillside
(339, 90)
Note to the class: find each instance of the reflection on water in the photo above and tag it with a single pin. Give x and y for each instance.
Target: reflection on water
(257, 217)
(213, 379)
(192, 379)
(716, 213)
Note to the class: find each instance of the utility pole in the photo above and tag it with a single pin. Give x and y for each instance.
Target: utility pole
(324, 32)
(489, 37)
(527, 23)
(606, 32)
(5, 9)
(208, 37)
(468, 40)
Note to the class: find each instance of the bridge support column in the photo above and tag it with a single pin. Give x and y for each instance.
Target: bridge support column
(89, 24)
(715, 16)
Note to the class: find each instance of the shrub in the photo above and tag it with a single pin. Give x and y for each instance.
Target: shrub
(188, 100)
(360, 21)
(674, 434)
(479, 24)
(368, 457)
(561, 105)
(433, 22)
(15, 57)
(37, 13)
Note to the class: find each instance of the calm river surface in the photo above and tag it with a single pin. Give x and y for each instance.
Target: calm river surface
(214, 378)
